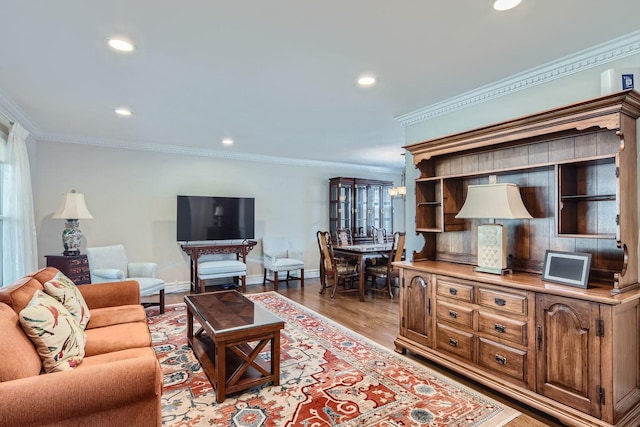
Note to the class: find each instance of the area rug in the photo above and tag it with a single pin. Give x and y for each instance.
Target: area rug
(330, 376)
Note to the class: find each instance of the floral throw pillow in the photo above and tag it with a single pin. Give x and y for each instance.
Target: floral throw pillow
(57, 336)
(66, 292)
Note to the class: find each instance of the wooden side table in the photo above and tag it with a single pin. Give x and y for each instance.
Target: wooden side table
(75, 267)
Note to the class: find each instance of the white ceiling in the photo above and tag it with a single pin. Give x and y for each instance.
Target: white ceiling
(276, 76)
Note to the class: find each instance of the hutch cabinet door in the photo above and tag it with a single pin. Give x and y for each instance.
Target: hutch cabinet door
(415, 322)
(340, 204)
(569, 352)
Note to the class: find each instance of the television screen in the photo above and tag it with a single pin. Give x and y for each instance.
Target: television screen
(202, 218)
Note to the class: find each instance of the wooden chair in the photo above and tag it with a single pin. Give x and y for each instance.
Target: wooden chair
(343, 237)
(334, 271)
(387, 271)
(379, 235)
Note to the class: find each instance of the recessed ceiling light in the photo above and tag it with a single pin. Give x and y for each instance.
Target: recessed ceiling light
(125, 112)
(227, 141)
(366, 81)
(505, 4)
(120, 44)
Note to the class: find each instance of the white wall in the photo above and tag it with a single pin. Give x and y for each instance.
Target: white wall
(576, 87)
(132, 197)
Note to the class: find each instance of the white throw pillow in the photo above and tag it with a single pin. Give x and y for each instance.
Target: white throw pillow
(57, 336)
(66, 292)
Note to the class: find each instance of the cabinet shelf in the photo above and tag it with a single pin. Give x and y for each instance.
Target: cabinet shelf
(588, 198)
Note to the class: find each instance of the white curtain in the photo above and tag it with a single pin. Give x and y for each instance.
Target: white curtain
(19, 247)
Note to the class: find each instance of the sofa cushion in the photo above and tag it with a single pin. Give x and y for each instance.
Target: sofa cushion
(56, 335)
(18, 295)
(117, 337)
(44, 274)
(107, 316)
(66, 292)
(18, 357)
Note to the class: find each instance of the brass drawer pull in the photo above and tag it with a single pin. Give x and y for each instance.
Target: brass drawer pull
(500, 328)
(453, 314)
(500, 302)
(501, 359)
(453, 291)
(453, 342)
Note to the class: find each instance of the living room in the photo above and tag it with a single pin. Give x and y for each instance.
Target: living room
(130, 186)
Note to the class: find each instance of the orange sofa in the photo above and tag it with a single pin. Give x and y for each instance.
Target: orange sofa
(118, 382)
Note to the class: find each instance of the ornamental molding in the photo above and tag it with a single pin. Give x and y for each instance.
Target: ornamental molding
(604, 53)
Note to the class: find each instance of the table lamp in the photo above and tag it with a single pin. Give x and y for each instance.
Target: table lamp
(72, 208)
(493, 201)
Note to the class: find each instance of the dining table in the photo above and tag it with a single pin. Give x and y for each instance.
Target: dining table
(361, 253)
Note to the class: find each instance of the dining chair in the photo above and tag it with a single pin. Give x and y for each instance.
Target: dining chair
(334, 271)
(388, 271)
(343, 237)
(379, 235)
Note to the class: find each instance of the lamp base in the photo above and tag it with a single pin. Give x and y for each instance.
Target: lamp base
(501, 271)
(71, 237)
(492, 249)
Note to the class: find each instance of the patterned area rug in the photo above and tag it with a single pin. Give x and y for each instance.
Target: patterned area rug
(330, 376)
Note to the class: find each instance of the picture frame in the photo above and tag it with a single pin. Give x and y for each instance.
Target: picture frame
(567, 268)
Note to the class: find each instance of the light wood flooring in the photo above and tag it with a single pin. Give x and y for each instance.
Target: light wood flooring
(377, 319)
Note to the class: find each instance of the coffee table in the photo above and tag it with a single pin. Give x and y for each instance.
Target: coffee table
(233, 332)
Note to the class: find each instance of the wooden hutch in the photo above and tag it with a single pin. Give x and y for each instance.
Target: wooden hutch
(360, 204)
(571, 352)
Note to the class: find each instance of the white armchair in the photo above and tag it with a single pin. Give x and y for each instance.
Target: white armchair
(280, 256)
(110, 264)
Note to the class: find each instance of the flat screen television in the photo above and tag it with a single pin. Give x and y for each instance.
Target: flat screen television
(202, 218)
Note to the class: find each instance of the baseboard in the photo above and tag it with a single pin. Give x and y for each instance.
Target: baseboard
(256, 279)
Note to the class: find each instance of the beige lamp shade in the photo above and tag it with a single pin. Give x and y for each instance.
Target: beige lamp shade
(494, 201)
(72, 206)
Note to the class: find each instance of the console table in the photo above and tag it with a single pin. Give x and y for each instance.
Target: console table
(195, 251)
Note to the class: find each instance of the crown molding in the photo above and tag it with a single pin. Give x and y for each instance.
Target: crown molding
(14, 113)
(598, 55)
(198, 152)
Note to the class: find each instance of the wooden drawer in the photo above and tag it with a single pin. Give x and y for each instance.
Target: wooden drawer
(451, 289)
(503, 301)
(455, 341)
(502, 327)
(503, 360)
(457, 314)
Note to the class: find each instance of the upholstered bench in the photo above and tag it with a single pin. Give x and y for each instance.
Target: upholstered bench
(217, 269)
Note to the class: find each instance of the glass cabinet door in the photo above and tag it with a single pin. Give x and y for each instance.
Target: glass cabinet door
(340, 205)
(375, 207)
(387, 210)
(360, 212)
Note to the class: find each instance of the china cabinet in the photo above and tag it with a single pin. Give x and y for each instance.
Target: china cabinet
(360, 204)
(571, 352)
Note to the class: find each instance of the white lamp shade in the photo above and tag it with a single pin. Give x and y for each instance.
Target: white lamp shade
(72, 206)
(494, 201)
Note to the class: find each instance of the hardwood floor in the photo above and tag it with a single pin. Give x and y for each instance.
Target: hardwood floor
(377, 319)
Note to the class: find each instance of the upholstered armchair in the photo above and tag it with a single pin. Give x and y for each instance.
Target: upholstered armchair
(279, 256)
(110, 264)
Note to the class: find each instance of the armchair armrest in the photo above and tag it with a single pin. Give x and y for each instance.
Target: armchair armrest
(62, 397)
(109, 274)
(111, 294)
(142, 269)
